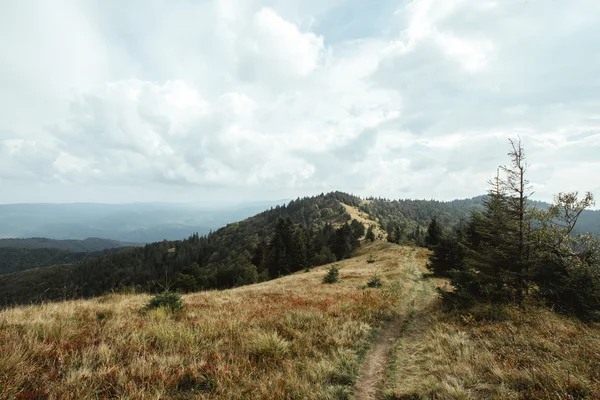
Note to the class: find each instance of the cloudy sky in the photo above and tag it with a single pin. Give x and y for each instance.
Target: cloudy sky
(149, 100)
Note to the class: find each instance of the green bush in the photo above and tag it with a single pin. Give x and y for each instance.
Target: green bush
(375, 282)
(332, 275)
(370, 260)
(169, 300)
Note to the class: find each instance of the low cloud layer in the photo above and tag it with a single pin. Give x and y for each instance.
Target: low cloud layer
(210, 101)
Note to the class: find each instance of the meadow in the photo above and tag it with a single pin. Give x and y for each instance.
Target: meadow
(290, 338)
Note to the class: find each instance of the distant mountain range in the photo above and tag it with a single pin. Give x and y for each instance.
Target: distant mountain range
(77, 246)
(132, 223)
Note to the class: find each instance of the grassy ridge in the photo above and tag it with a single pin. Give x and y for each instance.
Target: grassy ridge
(289, 338)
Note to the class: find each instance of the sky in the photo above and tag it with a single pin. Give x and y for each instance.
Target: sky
(230, 100)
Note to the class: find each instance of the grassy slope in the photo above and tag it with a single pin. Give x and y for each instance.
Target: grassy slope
(296, 338)
(289, 338)
(495, 353)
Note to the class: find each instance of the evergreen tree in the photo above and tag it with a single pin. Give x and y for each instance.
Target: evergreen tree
(391, 234)
(497, 258)
(358, 228)
(370, 235)
(448, 255)
(517, 190)
(259, 253)
(418, 237)
(434, 233)
(298, 250)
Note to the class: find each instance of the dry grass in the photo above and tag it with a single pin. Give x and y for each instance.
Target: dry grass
(364, 218)
(496, 353)
(292, 338)
(296, 338)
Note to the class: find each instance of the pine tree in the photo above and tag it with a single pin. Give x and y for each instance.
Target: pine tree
(448, 255)
(358, 228)
(259, 253)
(496, 260)
(397, 235)
(370, 235)
(517, 192)
(434, 233)
(298, 250)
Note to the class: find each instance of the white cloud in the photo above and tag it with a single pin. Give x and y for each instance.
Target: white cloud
(285, 98)
(281, 43)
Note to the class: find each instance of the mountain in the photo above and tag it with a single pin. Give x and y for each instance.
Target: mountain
(217, 260)
(283, 239)
(84, 246)
(15, 259)
(135, 222)
(22, 254)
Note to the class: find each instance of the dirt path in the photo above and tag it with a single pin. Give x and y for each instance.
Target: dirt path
(372, 373)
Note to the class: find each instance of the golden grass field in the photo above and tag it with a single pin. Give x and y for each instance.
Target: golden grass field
(296, 338)
(506, 353)
(291, 338)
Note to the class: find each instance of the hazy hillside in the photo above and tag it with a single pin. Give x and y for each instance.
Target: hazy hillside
(86, 245)
(136, 222)
(15, 259)
(220, 259)
(18, 259)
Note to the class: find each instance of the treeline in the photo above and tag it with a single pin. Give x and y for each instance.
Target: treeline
(76, 246)
(406, 221)
(15, 259)
(18, 259)
(291, 248)
(220, 259)
(513, 252)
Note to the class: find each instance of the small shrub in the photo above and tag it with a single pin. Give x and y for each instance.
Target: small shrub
(370, 260)
(169, 300)
(375, 282)
(332, 275)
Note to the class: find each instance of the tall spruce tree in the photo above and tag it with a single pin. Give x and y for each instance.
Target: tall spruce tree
(517, 192)
(497, 261)
(434, 233)
(370, 235)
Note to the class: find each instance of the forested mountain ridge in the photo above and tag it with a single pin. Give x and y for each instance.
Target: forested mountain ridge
(304, 232)
(218, 260)
(22, 254)
(14, 259)
(73, 245)
(407, 214)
